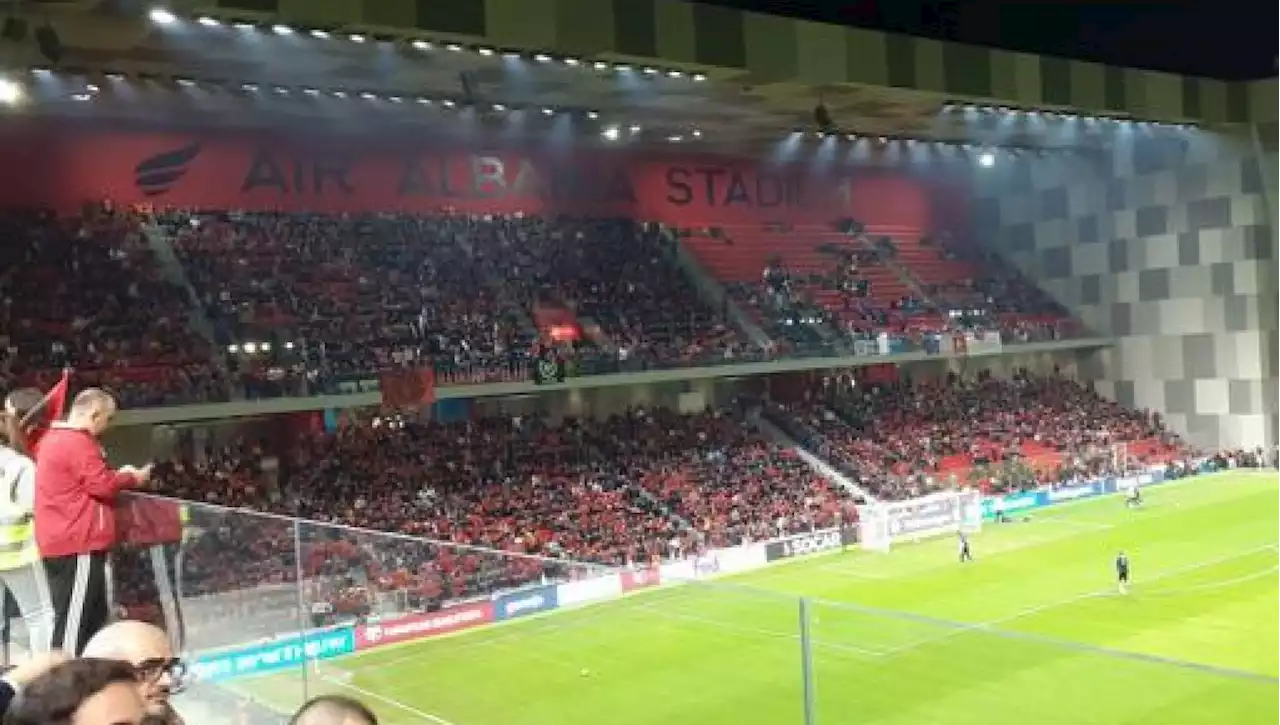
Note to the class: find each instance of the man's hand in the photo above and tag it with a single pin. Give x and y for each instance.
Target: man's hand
(22, 675)
(140, 475)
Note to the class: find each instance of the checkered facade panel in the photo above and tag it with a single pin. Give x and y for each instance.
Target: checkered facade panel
(1170, 247)
(782, 49)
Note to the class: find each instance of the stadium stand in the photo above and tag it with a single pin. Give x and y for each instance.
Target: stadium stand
(462, 291)
(873, 280)
(86, 291)
(906, 439)
(323, 299)
(632, 488)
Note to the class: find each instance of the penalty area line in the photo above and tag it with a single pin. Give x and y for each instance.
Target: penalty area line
(994, 625)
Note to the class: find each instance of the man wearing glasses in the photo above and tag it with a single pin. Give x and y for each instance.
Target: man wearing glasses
(147, 648)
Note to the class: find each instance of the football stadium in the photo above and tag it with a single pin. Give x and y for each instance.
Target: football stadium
(631, 362)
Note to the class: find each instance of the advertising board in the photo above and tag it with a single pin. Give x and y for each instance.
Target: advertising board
(811, 543)
(632, 580)
(1017, 502)
(525, 602)
(1013, 503)
(287, 652)
(1075, 492)
(416, 626)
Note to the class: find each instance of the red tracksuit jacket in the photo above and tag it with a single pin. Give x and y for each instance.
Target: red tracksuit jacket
(75, 494)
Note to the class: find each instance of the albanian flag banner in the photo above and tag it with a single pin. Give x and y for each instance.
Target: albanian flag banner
(49, 410)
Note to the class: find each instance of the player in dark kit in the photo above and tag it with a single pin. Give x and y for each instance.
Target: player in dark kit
(965, 554)
(1134, 499)
(1122, 572)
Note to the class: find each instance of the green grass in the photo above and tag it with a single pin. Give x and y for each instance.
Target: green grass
(1032, 632)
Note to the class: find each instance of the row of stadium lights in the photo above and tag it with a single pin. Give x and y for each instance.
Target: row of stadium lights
(12, 92)
(986, 155)
(253, 348)
(165, 17)
(1057, 115)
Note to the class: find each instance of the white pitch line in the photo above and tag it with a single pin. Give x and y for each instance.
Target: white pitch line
(1270, 571)
(390, 701)
(1029, 611)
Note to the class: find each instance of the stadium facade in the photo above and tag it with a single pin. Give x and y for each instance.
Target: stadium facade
(1167, 244)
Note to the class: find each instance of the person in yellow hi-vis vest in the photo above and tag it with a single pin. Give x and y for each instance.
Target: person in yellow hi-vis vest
(21, 570)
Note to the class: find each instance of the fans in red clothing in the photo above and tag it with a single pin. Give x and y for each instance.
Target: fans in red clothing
(74, 518)
(905, 439)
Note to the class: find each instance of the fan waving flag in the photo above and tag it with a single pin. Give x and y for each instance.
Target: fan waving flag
(50, 409)
(408, 387)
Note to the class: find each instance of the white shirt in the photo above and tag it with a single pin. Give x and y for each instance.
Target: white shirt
(17, 478)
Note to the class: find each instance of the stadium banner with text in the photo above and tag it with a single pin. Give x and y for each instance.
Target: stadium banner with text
(417, 626)
(1013, 503)
(1075, 492)
(343, 173)
(713, 563)
(525, 602)
(633, 579)
(812, 543)
(284, 653)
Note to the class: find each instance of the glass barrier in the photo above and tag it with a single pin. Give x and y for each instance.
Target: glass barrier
(270, 611)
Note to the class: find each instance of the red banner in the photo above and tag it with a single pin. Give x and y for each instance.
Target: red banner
(417, 626)
(296, 172)
(407, 387)
(145, 521)
(641, 578)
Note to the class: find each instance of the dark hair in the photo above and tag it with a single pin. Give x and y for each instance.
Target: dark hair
(332, 707)
(18, 405)
(24, 400)
(54, 697)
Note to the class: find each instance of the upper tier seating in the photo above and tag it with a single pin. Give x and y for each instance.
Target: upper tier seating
(814, 258)
(464, 289)
(86, 291)
(824, 266)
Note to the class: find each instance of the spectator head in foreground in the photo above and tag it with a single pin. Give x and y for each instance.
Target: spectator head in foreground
(333, 710)
(17, 406)
(81, 692)
(92, 410)
(147, 649)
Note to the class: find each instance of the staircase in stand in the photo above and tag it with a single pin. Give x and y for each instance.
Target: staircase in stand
(160, 241)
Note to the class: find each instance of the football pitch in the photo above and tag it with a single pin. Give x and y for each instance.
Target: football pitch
(1033, 631)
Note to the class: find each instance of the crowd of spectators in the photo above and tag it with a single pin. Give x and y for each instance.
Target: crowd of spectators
(302, 303)
(87, 291)
(997, 290)
(907, 438)
(627, 490)
(352, 294)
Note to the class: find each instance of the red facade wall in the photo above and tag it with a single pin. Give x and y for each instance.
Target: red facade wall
(278, 171)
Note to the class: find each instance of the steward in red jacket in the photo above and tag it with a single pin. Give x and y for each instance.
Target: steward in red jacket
(75, 517)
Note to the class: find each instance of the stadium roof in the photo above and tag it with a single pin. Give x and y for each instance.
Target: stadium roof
(241, 66)
(1227, 40)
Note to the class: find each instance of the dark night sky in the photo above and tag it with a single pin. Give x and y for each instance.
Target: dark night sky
(1226, 39)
